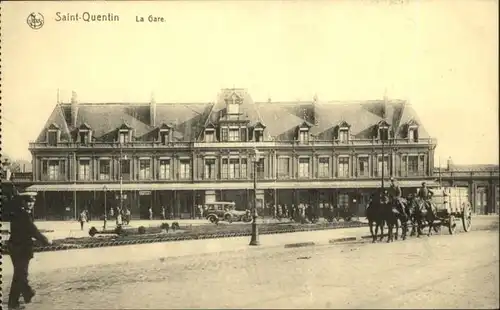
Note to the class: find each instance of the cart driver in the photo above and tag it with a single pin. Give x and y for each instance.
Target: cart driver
(395, 196)
(425, 194)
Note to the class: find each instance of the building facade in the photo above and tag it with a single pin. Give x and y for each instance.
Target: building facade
(482, 182)
(182, 155)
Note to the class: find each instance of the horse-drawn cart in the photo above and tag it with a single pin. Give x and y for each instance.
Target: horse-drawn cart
(452, 204)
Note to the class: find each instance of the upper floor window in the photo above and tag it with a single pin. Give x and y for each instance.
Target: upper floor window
(164, 173)
(234, 168)
(234, 134)
(184, 169)
(125, 169)
(209, 135)
(323, 167)
(343, 167)
(363, 166)
(144, 169)
(210, 172)
(260, 168)
(412, 165)
(224, 133)
(104, 169)
(53, 169)
(383, 165)
(303, 167)
(283, 167)
(84, 170)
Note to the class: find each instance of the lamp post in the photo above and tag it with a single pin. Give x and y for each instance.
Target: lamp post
(105, 206)
(255, 233)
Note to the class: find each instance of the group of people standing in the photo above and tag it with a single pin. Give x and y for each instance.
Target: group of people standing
(304, 211)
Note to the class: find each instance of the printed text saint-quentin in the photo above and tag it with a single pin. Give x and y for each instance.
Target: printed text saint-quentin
(86, 17)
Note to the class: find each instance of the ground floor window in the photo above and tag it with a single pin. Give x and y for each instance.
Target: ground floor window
(343, 200)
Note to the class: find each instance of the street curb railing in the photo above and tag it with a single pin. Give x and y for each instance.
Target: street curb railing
(157, 238)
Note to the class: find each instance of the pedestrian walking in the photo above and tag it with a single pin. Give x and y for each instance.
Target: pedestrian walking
(111, 213)
(20, 244)
(127, 216)
(150, 213)
(82, 219)
(163, 213)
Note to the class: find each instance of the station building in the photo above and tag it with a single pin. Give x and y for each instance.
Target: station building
(179, 155)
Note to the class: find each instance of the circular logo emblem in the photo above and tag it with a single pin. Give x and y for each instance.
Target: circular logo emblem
(35, 20)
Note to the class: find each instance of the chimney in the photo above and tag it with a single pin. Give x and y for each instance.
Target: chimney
(384, 104)
(449, 164)
(152, 111)
(74, 108)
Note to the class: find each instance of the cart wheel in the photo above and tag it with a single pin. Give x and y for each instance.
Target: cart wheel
(452, 226)
(467, 218)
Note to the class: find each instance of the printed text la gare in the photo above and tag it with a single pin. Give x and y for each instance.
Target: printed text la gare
(150, 18)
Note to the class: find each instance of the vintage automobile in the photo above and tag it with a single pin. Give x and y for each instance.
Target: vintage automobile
(225, 211)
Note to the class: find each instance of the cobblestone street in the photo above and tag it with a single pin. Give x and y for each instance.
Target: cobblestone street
(459, 271)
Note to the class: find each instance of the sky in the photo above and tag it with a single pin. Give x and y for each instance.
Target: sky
(441, 56)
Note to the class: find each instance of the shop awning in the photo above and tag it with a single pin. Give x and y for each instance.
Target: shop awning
(327, 184)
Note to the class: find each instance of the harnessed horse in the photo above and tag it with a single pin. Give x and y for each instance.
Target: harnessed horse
(424, 214)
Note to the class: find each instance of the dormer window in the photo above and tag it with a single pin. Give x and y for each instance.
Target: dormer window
(53, 134)
(165, 133)
(412, 131)
(84, 134)
(383, 130)
(258, 132)
(303, 132)
(124, 134)
(210, 135)
(233, 104)
(234, 134)
(343, 132)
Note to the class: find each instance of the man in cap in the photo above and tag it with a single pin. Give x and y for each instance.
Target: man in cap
(395, 196)
(20, 244)
(425, 194)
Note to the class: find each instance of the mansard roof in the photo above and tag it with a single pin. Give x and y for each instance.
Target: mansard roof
(281, 119)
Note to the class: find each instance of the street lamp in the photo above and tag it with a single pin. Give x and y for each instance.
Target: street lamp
(255, 232)
(105, 206)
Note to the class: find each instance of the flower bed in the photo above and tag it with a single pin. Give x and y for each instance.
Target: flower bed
(156, 234)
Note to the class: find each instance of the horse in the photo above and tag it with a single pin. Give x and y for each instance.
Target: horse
(374, 215)
(424, 215)
(411, 212)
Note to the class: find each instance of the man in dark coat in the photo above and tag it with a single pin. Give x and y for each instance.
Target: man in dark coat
(395, 194)
(20, 244)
